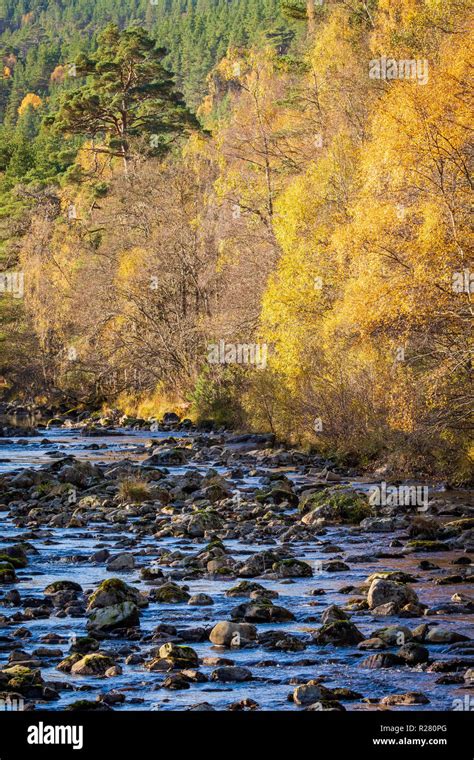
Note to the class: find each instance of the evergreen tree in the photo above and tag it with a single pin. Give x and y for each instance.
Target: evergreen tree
(128, 94)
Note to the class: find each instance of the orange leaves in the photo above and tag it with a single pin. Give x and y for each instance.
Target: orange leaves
(29, 101)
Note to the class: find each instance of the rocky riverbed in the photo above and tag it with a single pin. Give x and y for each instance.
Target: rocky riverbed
(173, 568)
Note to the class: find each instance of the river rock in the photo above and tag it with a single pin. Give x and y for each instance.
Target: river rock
(261, 612)
(231, 673)
(394, 634)
(113, 592)
(373, 643)
(413, 654)
(280, 641)
(121, 562)
(340, 633)
(245, 588)
(233, 634)
(92, 665)
(381, 660)
(201, 600)
(383, 592)
(292, 568)
(410, 698)
(311, 692)
(333, 614)
(443, 636)
(123, 615)
(169, 593)
(198, 524)
(179, 656)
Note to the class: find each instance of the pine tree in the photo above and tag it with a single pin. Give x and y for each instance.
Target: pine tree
(128, 94)
(301, 10)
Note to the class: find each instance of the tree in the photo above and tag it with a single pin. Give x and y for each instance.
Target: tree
(30, 100)
(301, 9)
(128, 94)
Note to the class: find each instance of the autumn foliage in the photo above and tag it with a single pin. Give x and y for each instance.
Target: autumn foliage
(321, 211)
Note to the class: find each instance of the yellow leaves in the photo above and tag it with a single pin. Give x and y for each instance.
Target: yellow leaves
(7, 72)
(411, 26)
(131, 265)
(381, 225)
(95, 163)
(30, 100)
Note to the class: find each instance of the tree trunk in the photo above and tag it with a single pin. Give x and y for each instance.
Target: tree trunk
(311, 13)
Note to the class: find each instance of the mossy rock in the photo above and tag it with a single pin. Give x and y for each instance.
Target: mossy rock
(339, 633)
(53, 588)
(200, 521)
(114, 591)
(179, 656)
(151, 573)
(94, 664)
(85, 645)
(245, 588)
(21, 678)
(292, 568)
(7, 573)
(277, 495)
(459, 526)
(14, 555)
(216, 543)
(427, 546)
(338, 504)
(65, 665)
(169, 593)
(123, 615)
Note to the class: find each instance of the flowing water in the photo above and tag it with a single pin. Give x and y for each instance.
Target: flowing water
(63, 554)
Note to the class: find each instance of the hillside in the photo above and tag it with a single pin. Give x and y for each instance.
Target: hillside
(284, 248)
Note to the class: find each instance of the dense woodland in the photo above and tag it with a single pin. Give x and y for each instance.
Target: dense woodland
(180, 173)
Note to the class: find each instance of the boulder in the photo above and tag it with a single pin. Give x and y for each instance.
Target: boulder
(123, 561)
(179, 656)
(381, 660)
(383, 592)
(231, 673)
(340, 633)
(169, 593)
(113, 592)
(201, 600)
(413, 654)
(123, 615)
(280, 641)
(311, 692)
(443, 636)
(333, 614)
(262, 611)
(92, 665)
(228, 634)
(292, 568)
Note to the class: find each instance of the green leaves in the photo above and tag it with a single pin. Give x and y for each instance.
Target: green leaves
(128, 94)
